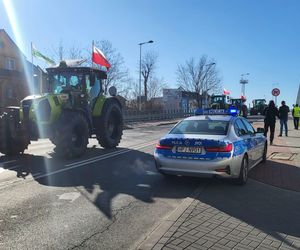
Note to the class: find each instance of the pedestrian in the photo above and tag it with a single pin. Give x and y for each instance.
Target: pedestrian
(283, 116)
(270, 113)
(296, 115)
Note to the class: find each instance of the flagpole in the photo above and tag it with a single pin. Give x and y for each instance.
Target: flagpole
(32, 73)
(92, 52)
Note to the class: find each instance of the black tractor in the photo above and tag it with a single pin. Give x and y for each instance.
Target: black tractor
(258, 106)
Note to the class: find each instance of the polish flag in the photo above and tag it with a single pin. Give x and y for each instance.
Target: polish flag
(226, 92)
(243, 97)
(99, 58)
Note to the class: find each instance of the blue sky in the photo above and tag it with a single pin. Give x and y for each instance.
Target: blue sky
(261, 37)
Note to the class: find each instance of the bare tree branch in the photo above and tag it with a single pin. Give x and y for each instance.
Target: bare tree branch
(149, 62)
(117, 74)
(199, 77)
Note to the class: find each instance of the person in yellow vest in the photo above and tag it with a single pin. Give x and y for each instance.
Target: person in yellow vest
(296, 115)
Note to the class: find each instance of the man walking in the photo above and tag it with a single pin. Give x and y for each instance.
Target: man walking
(283, 116)
(270, 114)
(296, 115)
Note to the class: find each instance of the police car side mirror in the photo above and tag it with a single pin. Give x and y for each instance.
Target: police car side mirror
(260, 130)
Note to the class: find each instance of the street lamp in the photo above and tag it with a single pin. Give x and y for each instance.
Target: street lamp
(244, 82)
(206, 88)
(140, 77)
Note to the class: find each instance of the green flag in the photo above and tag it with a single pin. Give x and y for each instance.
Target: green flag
(39, 55)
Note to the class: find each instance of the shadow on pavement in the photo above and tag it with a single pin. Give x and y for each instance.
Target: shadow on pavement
(272, 210)
(278, 174)
(133, 174)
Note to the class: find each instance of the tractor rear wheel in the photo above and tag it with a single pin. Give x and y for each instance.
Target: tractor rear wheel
(71, 135)
(109, 129)
(12, 139)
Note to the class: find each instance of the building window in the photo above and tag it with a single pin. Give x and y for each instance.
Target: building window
(10, 63)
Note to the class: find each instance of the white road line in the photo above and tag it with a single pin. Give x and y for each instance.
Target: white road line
(104, 157)
(110, 154)
(5, 162)
(80, 163)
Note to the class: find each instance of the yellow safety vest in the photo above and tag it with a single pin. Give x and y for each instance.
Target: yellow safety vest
(297, 112)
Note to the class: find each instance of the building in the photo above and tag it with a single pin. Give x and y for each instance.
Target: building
(13, 83)
(180, 99)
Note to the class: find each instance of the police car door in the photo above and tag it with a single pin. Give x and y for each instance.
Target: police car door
(241, 131)
(254, 141)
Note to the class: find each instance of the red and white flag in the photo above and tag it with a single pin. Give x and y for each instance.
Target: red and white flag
(99, 58)
(226, 92)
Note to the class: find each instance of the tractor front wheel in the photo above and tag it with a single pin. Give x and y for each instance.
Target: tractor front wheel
(71, 135)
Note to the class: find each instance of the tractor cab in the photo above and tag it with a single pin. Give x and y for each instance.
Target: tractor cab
(237, 102)
(76, 82)
(258, 106)
(220, 101)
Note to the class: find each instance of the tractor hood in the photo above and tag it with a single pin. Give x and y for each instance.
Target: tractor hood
(44, 109)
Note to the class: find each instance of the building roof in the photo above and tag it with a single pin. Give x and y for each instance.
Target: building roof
(11, 41)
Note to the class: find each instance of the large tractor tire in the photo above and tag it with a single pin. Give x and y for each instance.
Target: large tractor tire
(71, 135)
(109, 128)
(13, 139)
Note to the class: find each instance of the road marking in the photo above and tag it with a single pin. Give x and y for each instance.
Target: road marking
(6, 162)
(81, 163)
(100, 158)
(72, 196)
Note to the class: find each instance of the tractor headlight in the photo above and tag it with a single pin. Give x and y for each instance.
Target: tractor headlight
(43, 111)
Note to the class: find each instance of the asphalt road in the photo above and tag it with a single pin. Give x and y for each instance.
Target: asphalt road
(108, 199)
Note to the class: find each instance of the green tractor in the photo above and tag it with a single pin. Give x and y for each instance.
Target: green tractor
(258, 106)
(220, 101)
(74, 109)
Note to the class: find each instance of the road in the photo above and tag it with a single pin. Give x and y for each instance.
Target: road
(109, 199)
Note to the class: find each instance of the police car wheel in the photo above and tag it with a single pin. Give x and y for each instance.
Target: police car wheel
(243, 177)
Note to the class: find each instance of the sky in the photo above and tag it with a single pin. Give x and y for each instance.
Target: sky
(260, 37)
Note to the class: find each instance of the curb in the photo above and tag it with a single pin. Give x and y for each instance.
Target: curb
(164, 225)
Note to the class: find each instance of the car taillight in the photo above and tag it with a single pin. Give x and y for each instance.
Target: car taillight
(227, 148)
(158, 146)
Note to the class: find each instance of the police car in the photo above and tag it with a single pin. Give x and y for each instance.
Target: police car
(211, 143)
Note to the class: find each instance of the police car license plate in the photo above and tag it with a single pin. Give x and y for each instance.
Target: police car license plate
(191, 150)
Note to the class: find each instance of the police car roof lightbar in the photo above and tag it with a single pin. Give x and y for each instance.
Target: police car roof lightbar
(230, 111)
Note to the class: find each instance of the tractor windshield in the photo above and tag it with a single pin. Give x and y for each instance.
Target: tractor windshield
(218, 99)
(62, 81)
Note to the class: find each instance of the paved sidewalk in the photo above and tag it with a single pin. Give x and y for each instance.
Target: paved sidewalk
(255, 216)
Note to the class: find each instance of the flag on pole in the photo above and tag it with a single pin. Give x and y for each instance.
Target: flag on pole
(39, 55)
(226, 92)
(244, 98)
(99, 58)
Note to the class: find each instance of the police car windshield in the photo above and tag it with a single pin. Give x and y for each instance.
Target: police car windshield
(201, 127)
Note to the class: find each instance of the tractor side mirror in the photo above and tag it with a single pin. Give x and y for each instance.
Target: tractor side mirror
(92, 79)
(112, 91)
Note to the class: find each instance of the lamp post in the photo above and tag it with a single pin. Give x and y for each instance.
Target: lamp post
(206, 88)
(244, 82)
(140, 75)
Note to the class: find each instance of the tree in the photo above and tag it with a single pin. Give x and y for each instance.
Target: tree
(199, 76)
(155, 87)
(117, 75)
(148, 65)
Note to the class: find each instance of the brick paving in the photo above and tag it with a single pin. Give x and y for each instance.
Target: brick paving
(256, 216)
(202, 226)
(279, 173)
